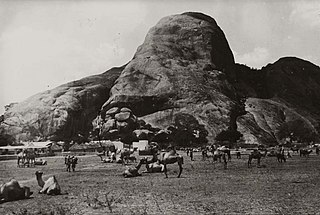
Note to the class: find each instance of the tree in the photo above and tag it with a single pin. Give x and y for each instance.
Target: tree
(187, 131)
(297, 130)
(229, 135)
(5, 139)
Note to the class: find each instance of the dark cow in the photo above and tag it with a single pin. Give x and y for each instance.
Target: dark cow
(305, 152)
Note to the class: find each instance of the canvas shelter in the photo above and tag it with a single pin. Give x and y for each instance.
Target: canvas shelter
(37, 145)
(118, 144)
(29, 145)
(141, 145)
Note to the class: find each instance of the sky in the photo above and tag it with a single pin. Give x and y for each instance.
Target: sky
(44, 44)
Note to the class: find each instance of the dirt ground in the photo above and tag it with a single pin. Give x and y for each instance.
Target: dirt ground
(204, 188)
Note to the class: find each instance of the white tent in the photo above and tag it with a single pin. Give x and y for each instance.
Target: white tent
(118, 144)
(141, 145)
(29, 145)
(37, 145)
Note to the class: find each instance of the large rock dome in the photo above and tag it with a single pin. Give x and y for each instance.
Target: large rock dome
(181, 67)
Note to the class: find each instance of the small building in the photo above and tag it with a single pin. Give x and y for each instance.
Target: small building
(141, 145)
(118, 144)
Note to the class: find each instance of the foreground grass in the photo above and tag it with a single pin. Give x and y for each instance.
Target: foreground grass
(97, 188)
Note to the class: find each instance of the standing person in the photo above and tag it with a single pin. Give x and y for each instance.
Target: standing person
(238, 155)
(191, 154)
(225, 164)
(281, 149)
(67, 162)
(113, 157)
(204, 153)
(187, 151)
(74, 162)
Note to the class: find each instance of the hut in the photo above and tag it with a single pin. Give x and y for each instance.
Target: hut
(105, 145)
(141, 145)
(78, 147)
(56, 147)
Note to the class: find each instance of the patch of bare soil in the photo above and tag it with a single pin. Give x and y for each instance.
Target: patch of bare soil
(204, 188)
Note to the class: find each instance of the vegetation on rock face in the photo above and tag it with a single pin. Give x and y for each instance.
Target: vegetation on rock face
(230, 136)
(186, 131)
(6, 139)
(298, 131)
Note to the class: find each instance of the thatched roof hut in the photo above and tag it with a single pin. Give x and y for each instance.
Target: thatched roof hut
(78, 147)
(55, 147)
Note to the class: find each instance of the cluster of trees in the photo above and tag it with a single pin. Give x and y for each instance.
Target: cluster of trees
(184, 131)
(297, 130)
(6, 139)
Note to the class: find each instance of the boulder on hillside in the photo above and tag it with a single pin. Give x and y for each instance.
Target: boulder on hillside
(122, 116)
(119, 123)
(143, 134)
(124, 109)
(112, 111)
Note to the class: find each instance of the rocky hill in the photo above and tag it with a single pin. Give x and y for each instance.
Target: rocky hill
(180, 68)
(63, 113)
(282, 101)
(184, 70)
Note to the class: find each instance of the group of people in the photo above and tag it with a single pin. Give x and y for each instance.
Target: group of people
(213, 149)
(110, 156)
(26, 157)
(70, 162)
(190, 153)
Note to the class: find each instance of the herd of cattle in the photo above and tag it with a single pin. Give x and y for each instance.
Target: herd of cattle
(157, 162)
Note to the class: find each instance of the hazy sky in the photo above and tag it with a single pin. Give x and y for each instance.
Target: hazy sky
(47, 43)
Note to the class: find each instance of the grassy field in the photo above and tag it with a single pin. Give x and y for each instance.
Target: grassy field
(204, 188)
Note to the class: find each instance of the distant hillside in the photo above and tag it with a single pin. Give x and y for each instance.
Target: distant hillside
(283, 99)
